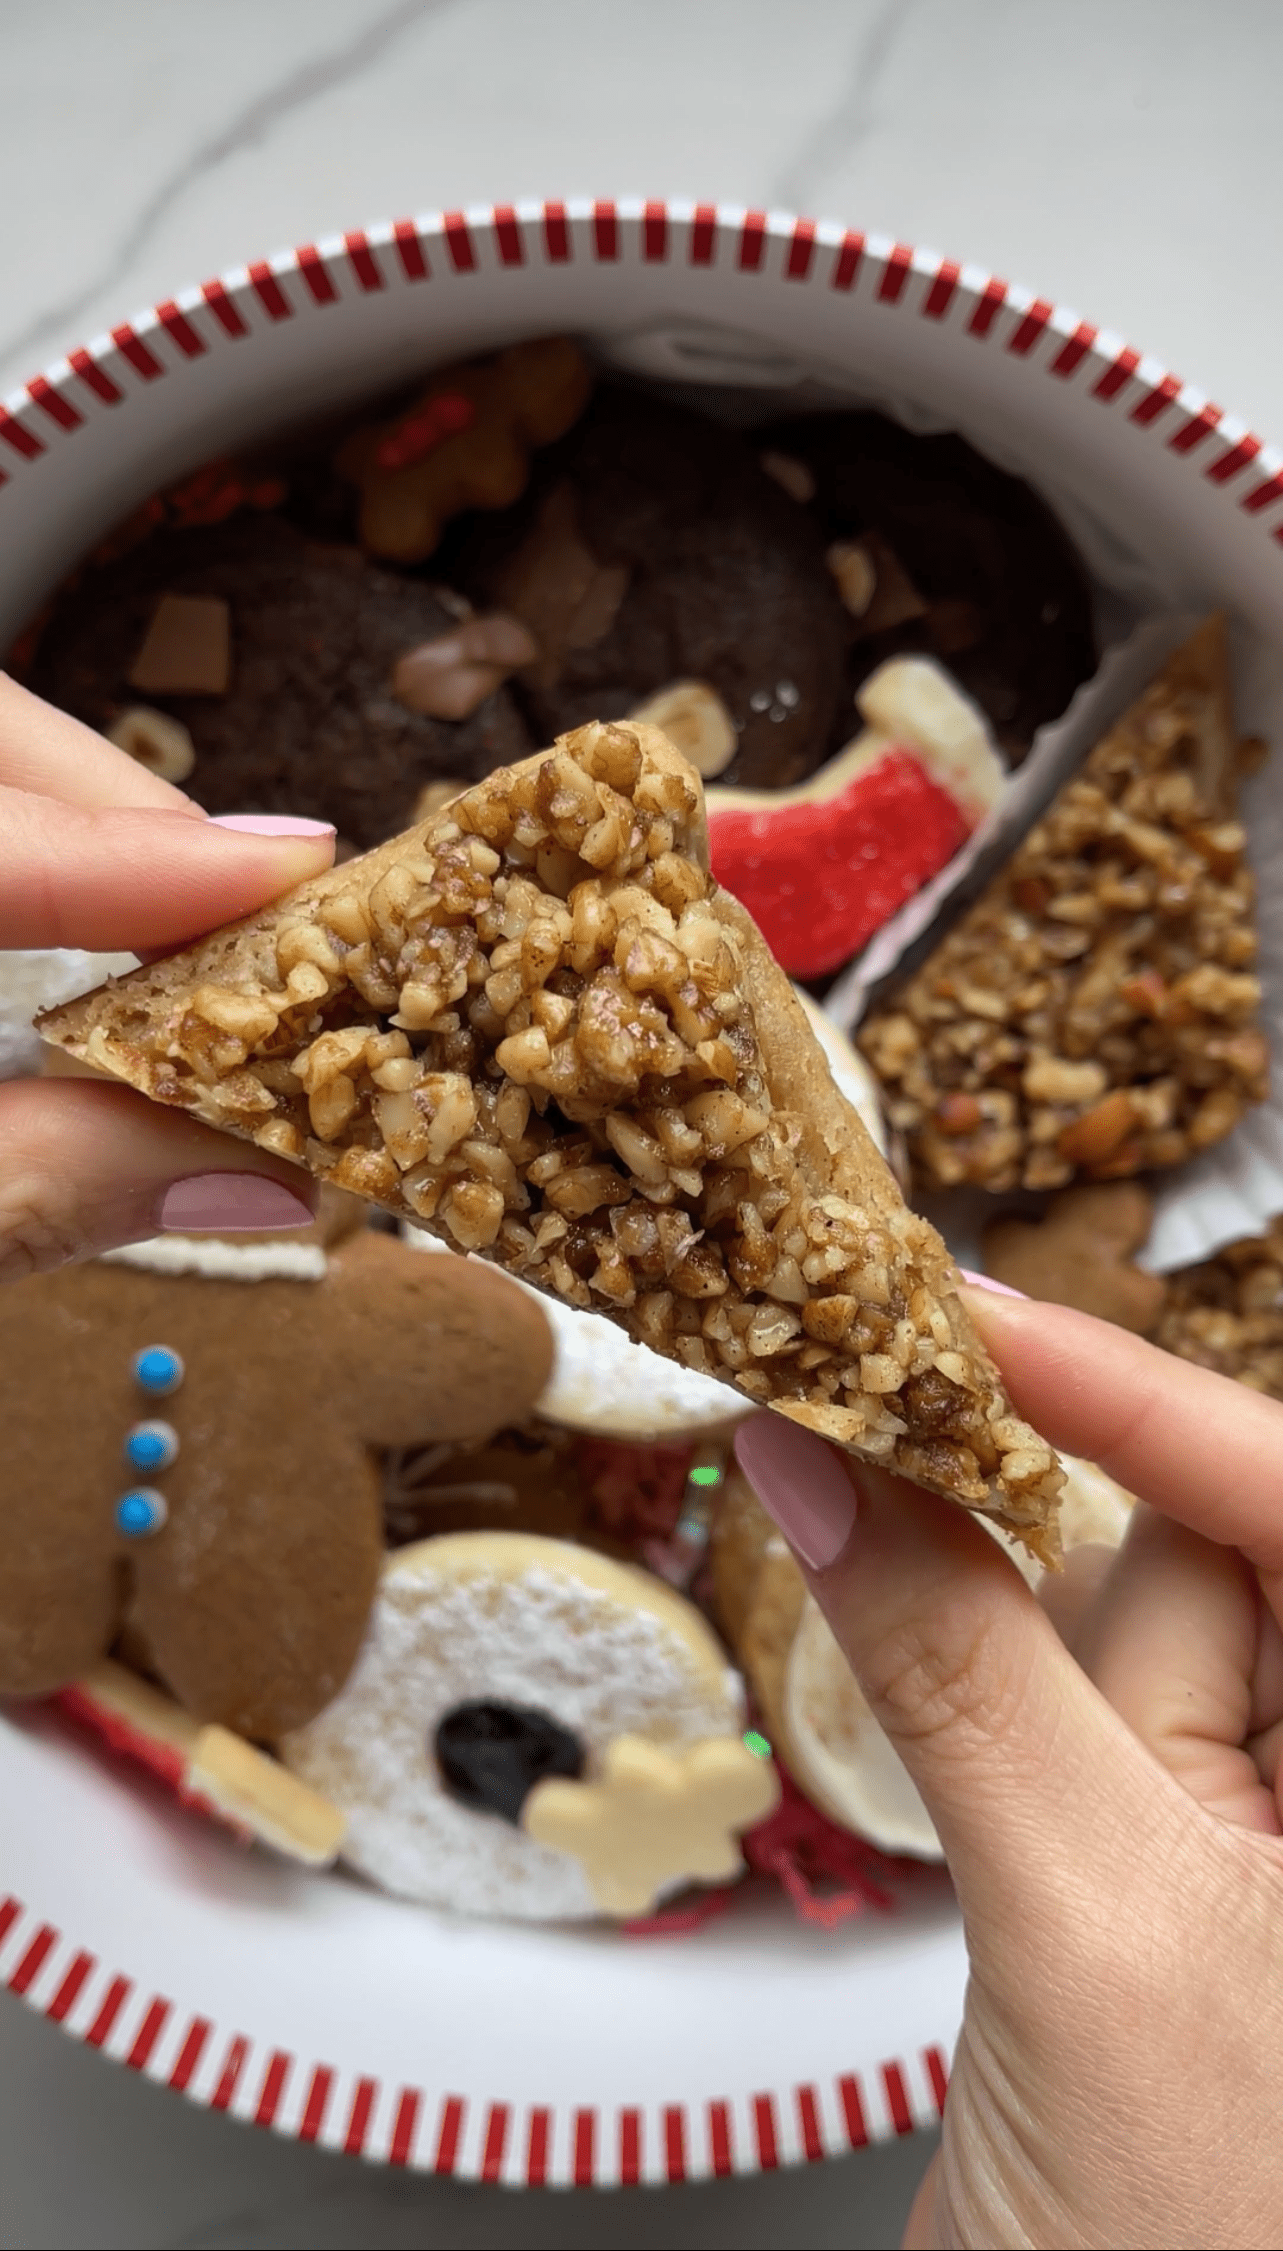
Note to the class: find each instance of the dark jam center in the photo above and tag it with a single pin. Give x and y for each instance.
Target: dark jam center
(491, 1755)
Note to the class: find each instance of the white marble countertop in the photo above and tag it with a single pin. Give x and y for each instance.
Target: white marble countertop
(1121, 158)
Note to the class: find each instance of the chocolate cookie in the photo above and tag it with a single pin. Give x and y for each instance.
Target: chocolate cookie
(936, 550)
(299, 716)
(651, 547)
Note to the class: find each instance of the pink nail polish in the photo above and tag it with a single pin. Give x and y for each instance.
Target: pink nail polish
(271, 824)
(986, 1282)
(226, 1203)
(801, 1482)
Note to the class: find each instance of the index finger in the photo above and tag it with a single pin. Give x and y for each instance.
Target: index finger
(46, 752)
(1197, 1446)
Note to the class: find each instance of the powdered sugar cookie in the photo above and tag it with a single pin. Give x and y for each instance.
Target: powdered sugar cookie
(811, 1704)
(496, 1663)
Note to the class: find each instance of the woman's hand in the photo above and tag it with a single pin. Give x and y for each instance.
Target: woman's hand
(1109, 1804)
(95, 852)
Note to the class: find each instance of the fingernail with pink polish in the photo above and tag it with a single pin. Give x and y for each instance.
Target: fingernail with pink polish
(801, 1482)
(230, 1203)
(271, 824)
(987, 1282)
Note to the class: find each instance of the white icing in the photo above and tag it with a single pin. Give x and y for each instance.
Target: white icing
(217, 1261)
(602, 1382)
(598, 1665)
(30, 981)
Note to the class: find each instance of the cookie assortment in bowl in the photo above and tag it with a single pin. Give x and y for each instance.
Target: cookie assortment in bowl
(412, 598)
(545, 1657)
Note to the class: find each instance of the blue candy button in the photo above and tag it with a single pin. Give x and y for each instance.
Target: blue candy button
(151, 1446)
(158, 1369)
(140, 1513)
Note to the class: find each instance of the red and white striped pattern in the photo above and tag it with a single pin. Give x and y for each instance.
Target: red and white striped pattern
(407, 253)
(441, 2132)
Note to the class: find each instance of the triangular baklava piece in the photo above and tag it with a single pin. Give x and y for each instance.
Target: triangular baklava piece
(535, 1025)
(1094, 1015)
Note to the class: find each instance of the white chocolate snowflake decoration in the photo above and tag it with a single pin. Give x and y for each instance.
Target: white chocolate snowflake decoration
(654, 1817)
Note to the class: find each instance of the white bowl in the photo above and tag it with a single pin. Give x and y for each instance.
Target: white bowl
(308, 2002)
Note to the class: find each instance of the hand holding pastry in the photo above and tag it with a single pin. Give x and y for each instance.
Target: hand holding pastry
(100, 853)
(1109, 1803)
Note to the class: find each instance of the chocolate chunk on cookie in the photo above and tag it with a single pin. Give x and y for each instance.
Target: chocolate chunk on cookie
(650, 548)
(937, 550)
(309, 723)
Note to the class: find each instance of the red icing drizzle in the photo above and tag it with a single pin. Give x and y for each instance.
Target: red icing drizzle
(820, 877)
(421, 431)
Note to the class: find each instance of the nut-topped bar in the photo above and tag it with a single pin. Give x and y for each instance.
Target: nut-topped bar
(536, 1025)
(1094, 1014)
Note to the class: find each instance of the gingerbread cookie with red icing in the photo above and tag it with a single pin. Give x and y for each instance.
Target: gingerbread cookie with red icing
(465, 443)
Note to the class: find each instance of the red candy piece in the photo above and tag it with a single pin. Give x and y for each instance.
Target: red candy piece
(440, 418)
(821, 876)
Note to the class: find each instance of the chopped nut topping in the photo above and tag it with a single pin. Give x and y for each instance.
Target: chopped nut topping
(693, 716)
(1094, 1014)
(450, 677)
(606, 1086)
(1227, 1313)
(154, 740)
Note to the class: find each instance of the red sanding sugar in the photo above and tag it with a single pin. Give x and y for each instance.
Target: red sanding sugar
(634, 1491)
(130, 1742)
(215, 492)
(802, 1848)
(821, 876)
(162, 1759)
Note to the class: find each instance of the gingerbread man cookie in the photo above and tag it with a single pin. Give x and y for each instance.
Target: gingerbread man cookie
(655, 1818)
(192, 1461)
(465, 443)
(1080, 1253)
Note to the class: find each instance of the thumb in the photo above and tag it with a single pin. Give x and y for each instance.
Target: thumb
(1028, 1775)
